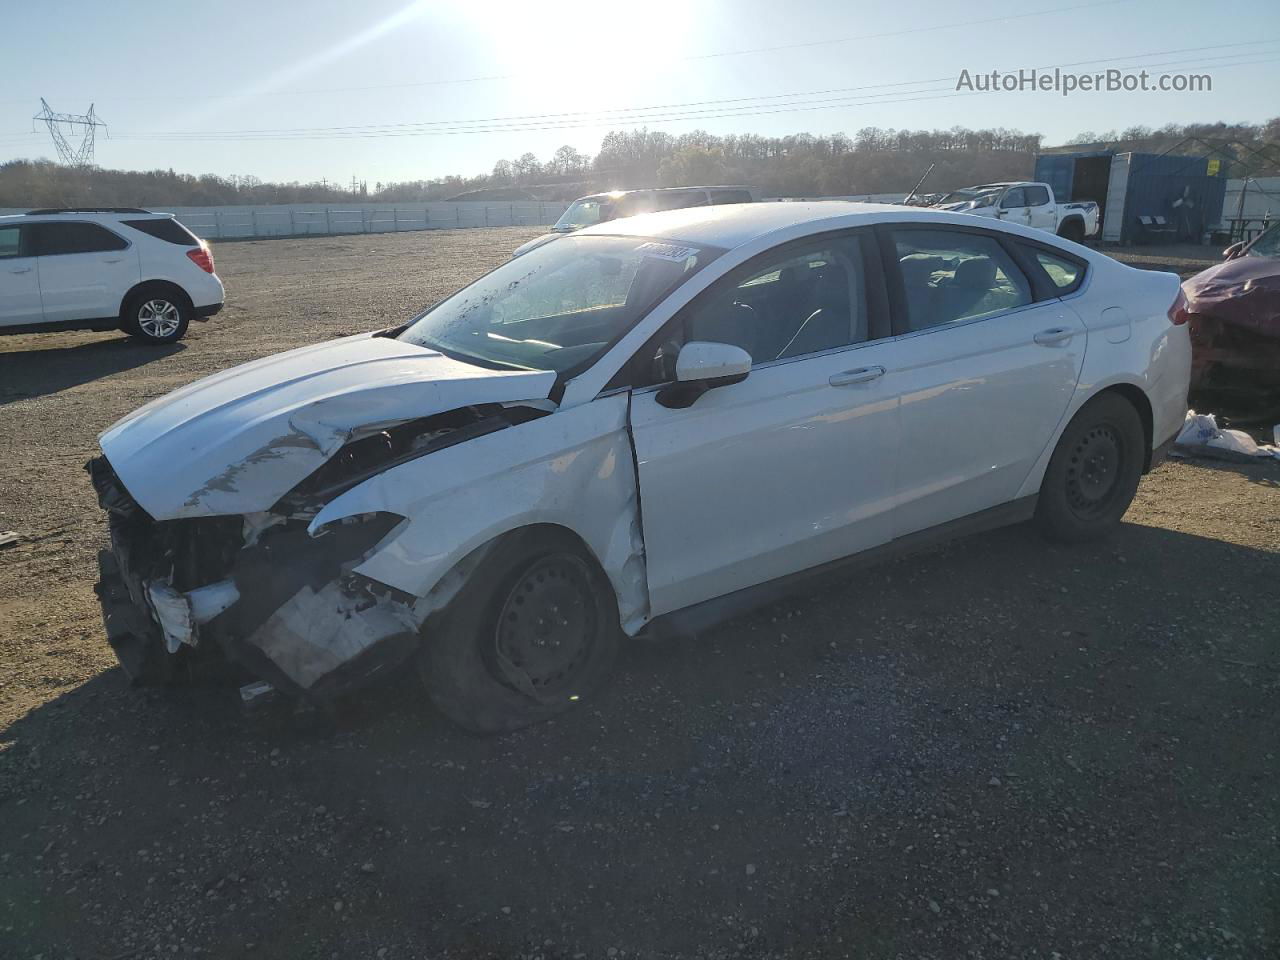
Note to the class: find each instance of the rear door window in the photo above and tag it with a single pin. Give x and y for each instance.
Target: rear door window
(168, 229)
(1064, 273)
(10, 242)
(954, 275)
(54, 239)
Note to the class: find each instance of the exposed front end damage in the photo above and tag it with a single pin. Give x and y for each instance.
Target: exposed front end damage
(182, 597)
(266, 591)
(334, 583)
(1235, 335)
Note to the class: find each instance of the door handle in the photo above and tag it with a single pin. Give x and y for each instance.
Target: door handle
(20, 270)
(113, 259)
(1047, 338)
(861, 375)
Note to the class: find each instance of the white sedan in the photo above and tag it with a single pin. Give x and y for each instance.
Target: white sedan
(653, 421)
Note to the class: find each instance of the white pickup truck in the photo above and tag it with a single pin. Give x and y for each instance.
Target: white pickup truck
(1030, 204)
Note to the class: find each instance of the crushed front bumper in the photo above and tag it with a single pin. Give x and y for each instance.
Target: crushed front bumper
(133, 636)
(190, 599)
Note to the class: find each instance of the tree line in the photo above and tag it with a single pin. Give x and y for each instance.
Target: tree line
(873, 160)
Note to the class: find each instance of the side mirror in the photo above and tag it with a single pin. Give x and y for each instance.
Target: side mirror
(703, 366)
(1233, 251)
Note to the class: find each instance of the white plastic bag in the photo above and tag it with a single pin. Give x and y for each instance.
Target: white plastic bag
(1201, 431)
(1197, 430)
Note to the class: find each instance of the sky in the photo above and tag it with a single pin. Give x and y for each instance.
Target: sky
(390, 90)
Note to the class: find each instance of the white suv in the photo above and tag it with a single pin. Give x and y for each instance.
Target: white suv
(104, 268)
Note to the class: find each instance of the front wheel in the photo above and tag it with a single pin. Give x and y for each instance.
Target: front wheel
(156, 317)
(532, 632)
(1094, 471)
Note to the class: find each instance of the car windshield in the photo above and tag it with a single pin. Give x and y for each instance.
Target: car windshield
(558, 307)
(1267, 245)
(582, 213)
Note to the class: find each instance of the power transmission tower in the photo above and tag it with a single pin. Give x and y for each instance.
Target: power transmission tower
(84, 125)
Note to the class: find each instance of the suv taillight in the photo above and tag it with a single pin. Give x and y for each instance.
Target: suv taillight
(202, 257)
(1178, 313)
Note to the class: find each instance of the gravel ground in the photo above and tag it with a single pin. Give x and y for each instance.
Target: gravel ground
(996, 749)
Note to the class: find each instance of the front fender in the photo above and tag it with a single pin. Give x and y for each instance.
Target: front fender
(573, 468)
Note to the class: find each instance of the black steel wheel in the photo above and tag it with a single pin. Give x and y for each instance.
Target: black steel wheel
(546, 627)
(1094, 471)
(533, 632)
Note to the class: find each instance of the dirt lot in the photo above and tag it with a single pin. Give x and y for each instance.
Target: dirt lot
(996, 749)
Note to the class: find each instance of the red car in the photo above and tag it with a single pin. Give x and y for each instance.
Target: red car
(1235, 326)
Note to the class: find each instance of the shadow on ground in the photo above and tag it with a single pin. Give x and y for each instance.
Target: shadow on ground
(998, 748)
(36, 373)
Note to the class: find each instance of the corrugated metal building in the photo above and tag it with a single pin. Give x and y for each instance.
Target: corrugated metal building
(1186, 192)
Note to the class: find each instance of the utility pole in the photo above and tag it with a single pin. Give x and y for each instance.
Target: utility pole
(84, 125)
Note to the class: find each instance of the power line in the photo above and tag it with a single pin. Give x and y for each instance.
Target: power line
(651, 114)
(621, 111)
(718, 54)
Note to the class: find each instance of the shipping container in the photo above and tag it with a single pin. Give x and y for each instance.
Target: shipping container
(1142, 197)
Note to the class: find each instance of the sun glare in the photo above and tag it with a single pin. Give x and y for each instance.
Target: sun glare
(599, 52)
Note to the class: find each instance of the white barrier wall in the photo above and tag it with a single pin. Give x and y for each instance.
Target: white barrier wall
(294, 220)
(1262, 198)
(266, 220)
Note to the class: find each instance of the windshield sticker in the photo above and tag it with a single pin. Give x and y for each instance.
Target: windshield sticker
(667, 251)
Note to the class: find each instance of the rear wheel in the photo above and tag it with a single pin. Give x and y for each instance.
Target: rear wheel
(1072, 230)
(1094, 471)
(156, 316)
(532, 632)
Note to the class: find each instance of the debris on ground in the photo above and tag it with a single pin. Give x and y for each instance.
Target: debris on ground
(9, 537)
(1202, 437)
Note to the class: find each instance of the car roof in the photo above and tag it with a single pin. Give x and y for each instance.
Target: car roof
(734, 224)
(34, 217)
(615, 194)
(83, 213)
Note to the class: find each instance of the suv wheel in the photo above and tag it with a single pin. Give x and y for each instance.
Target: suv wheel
(157, 316)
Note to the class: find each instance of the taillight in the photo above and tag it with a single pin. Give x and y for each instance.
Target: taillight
(1178, 313)
(202, 257)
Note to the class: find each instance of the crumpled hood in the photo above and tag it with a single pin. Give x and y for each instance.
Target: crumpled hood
(1233, 274)
(1244, 291)
(237, 441)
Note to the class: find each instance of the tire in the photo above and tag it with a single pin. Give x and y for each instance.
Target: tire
(156, 315)
(1072, 230)
(1093, 473)
(491, 663)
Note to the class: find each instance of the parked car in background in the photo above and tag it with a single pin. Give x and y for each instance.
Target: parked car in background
(652, 420)
(603, 207)
(1235, 326)
(1027, 204)
(103, 269)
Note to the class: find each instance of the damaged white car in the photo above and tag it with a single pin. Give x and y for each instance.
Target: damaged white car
(649, 421)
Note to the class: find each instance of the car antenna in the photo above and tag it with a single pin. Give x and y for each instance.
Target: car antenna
(907, 198)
